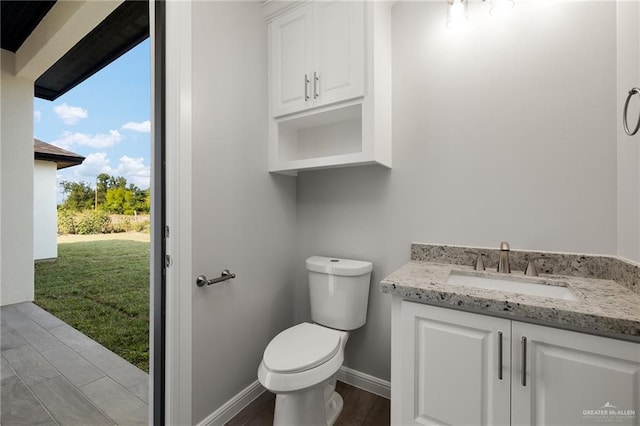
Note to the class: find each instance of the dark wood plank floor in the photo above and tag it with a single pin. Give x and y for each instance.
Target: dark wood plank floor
(360, 408)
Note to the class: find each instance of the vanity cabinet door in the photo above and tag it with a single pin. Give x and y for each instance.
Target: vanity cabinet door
(573, 378)
(450, 368)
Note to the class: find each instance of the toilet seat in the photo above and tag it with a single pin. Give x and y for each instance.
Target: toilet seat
(300, 348)
(311, 369)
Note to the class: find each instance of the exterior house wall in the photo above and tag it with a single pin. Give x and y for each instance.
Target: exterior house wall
(16, 218)
(62, 28)
(506, 132)
(45, 245)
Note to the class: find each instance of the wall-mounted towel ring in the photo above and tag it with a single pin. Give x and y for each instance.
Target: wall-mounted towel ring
(634, 91)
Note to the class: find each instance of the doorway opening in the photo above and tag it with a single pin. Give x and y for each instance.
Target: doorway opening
(118, 213)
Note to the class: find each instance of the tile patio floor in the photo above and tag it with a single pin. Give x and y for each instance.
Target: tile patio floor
(54, 375)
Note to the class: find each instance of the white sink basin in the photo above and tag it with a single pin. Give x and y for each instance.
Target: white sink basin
(509, 285)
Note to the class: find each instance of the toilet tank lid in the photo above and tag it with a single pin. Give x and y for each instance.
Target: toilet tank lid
(336, 266)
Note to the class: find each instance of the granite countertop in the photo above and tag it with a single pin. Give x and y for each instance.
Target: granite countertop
(604, 306)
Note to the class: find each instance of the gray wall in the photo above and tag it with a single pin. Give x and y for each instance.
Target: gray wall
(628, 147)
(507, 132)
(243, 218)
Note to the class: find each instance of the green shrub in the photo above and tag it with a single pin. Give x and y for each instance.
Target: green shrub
(126, 224)
(99, 222)
(117, 228)
(142, 226)
(66, 222)
(95, 222)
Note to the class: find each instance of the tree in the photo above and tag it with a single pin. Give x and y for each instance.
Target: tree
(113, 194)
(78, 196)
(116, 200)
(102, 182)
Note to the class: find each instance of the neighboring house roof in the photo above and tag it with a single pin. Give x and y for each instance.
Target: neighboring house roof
(47, 152)
(122, 30)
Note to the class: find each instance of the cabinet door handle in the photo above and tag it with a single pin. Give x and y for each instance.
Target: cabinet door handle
(316, 83)
(499, 355)
(306, 87)
(524, 361)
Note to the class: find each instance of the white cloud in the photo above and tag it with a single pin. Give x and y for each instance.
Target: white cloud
(37, 115)
(93, 165)
(142, 127)
(133, 169)
(70, 114)
(100, 140)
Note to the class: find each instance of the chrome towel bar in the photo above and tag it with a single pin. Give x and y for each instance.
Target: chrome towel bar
(634, 91)
(225, 275)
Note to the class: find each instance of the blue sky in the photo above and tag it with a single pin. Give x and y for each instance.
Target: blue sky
(105, 119)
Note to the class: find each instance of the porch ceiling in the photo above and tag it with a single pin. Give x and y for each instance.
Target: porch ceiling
(120, 31)
(19, 19)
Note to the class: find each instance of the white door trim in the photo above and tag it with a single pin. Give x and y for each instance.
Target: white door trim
(180, 284)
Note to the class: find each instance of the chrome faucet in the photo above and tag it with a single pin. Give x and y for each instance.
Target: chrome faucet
(503, 262)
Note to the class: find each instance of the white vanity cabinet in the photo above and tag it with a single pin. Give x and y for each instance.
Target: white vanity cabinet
(458, 368)
(570, 376)
(329, 84)
(450, 372)
(317, 56)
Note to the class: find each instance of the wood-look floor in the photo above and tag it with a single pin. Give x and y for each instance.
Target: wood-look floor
(360, 408)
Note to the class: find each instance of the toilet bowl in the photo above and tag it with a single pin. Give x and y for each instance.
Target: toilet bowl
(300, 364)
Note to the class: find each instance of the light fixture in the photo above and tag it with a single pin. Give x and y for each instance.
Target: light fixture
(457, 10)
(500, 7)
(456, 13)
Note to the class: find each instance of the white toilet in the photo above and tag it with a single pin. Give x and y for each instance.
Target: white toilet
(300, 364)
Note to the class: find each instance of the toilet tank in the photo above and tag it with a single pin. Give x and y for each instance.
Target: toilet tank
(339, 291)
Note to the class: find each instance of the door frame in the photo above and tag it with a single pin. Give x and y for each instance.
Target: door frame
(177, 266)
(158, 222)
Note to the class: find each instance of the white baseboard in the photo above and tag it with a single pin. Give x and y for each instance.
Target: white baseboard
(365, 381)
(236, 404)
(232, 407)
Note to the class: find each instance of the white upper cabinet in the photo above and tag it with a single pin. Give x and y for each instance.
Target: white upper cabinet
(291, 43)
(317, 56)
(329, 84)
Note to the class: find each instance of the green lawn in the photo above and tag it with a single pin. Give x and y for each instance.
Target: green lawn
(102, 289)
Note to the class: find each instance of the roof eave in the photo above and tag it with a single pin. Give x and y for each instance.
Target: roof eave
(62, 161)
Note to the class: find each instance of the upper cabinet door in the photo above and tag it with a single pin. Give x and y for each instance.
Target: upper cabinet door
(291, 61)
(338, 51)
(573, 378)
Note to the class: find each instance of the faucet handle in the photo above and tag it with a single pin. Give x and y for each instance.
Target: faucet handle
(479, 266)
(504, 246)
(531, 268)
